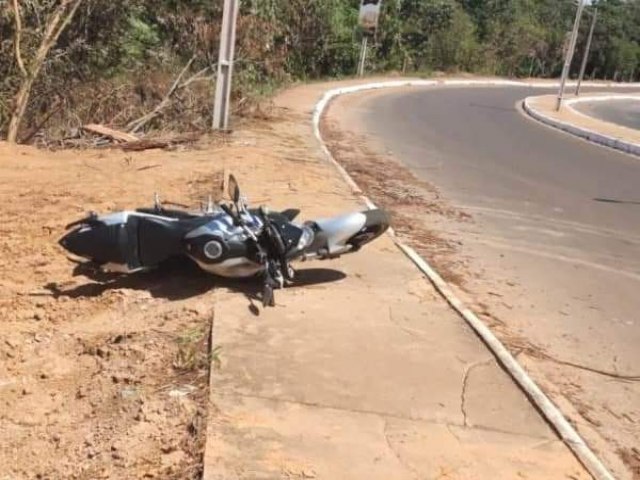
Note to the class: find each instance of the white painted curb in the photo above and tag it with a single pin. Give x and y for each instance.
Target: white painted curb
(595, 137)
(601, 98)
(553, 415)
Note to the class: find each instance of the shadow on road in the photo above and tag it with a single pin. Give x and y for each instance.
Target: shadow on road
(613, 200)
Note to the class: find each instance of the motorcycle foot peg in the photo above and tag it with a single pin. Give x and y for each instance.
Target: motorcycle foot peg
(268, 297)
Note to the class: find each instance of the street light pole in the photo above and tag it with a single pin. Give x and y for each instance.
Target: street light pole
(363, 55)
(570, 52)
(587, 49)
(368, 20)
(225, 65)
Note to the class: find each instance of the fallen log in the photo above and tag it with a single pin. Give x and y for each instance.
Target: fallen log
(115, 135)
(159, 142)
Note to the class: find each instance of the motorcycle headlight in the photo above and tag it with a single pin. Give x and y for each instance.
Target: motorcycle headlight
(306, 238)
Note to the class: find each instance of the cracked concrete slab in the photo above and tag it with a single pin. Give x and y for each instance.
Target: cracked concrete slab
(289, 440)
(339, 347)
(445, 452)
(362, 378)
(489, 401)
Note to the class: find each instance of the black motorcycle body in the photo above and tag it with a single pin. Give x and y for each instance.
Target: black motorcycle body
(226, 240)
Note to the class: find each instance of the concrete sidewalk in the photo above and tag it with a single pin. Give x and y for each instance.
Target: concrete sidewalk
(363, 377)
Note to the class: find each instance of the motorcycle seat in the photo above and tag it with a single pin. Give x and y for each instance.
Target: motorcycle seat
(159, 239)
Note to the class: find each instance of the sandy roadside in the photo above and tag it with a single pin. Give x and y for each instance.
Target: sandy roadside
(105, 376)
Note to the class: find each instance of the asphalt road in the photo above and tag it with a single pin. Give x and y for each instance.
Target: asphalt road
(621, 112)
(554, 248)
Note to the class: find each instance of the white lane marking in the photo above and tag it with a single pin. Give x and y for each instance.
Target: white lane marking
(567, 224)
(502, 244)
(544, 231)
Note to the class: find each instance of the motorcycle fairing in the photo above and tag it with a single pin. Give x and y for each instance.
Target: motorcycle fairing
(346, 233)
(129, 241)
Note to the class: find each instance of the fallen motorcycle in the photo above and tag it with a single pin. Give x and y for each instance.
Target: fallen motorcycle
(229, 240)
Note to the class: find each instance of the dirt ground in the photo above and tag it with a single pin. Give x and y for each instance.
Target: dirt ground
(106, 376)
(100, 377)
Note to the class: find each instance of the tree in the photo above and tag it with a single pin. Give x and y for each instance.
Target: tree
(454, 46)
(29, 70)
(116, 59)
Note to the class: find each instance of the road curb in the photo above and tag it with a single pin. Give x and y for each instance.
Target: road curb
(594, 137)
(553, 415)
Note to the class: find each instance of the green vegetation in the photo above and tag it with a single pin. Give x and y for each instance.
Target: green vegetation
(115, 60)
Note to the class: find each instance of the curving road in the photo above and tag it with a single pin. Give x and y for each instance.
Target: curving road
(620, 112)
(554, 248)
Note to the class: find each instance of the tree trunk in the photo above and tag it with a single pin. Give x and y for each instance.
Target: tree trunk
(55, 26)
(22, 100)
(18, 38)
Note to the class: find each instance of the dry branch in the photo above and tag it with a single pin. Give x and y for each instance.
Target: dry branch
(137, 124)
(57, 106)
(159, 142)
(116, 135)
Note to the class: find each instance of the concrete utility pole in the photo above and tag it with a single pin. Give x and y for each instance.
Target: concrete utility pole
(587, 49)
(570, 52)
(225, 65)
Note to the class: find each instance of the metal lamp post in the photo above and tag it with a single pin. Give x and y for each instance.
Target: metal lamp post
(587, 49)
(570, 52)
